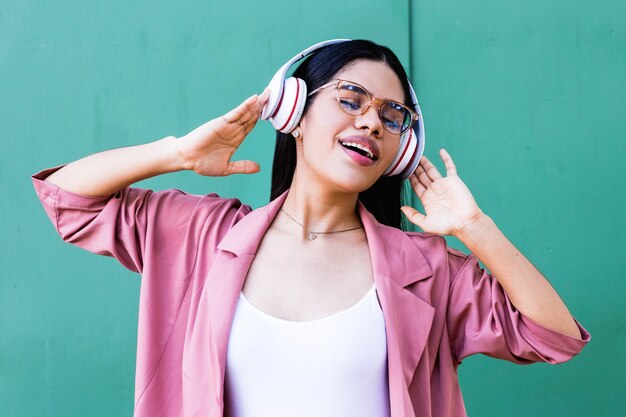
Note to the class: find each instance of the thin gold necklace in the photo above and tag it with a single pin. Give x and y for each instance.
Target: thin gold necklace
(312, 235)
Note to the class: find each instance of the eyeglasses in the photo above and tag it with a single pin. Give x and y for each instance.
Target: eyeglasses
(355, 100)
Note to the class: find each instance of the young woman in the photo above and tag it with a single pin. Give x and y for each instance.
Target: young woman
(317, 304)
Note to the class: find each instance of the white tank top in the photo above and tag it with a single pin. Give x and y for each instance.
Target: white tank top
(335, 366)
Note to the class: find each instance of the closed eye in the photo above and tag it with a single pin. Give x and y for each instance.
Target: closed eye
(392, 124)
(350, 105)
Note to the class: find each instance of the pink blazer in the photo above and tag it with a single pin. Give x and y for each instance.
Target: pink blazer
(194, 253)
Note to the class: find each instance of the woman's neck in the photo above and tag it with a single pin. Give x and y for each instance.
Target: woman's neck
(318, 209)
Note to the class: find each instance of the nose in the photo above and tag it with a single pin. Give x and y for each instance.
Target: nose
(370, 120)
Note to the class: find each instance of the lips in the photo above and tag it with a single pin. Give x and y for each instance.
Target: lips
(362, 146)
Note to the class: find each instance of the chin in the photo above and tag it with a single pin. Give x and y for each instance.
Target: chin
(341, 176)
(352, 186)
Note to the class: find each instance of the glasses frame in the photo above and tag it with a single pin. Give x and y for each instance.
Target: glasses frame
(337, 82)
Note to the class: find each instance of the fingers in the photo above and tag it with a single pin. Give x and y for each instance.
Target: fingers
(426, 173)
(418, 187)
(242, 167)
(449, 163)
(413, 215)
(247, 111)
(241, 113)
(429, 168)
(422, 176)
(264, 97)
(245, 114)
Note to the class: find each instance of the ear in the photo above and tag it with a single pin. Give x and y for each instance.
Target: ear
(300, 127)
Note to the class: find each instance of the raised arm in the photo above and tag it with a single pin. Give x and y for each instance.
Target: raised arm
(451, 210)
(207, 150)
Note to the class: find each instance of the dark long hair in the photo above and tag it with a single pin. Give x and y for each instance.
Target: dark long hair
(385, 197)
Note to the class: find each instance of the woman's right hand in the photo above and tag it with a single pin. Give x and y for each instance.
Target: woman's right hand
(208, 149)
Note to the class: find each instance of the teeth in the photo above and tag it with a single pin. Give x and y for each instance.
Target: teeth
(361, 147)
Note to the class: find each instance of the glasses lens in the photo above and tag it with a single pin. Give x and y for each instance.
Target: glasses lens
(395, 117)
(352, 98)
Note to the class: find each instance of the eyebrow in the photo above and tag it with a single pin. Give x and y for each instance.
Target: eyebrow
(372, 94)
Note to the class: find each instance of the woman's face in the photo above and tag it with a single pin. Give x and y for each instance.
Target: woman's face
(326, 151)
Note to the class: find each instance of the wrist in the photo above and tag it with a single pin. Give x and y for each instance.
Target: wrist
(170, 157)
(474, 229)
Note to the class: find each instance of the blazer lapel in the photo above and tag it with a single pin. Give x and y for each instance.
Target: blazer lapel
(398, 265)
(224, 283)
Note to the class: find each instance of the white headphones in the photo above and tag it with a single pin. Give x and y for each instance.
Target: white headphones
(288, 96)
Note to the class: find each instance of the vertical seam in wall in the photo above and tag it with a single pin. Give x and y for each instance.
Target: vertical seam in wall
(410, 31)
(414, 201)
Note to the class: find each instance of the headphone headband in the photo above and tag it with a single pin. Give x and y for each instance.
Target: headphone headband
(277, 82)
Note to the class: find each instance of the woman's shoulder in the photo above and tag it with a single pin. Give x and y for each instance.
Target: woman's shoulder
(209, 206)
(208, 201)
(427, 241)
(434, 245)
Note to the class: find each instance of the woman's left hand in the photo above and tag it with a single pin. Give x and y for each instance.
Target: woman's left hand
(449, 205)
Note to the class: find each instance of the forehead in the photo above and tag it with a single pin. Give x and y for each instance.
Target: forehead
(377, 77)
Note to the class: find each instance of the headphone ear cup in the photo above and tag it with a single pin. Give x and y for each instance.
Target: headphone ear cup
(408, 156)
(290, 105)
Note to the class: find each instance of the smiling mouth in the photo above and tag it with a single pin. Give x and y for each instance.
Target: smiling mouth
(358, 148)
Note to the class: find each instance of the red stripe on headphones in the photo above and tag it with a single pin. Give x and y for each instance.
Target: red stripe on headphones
(403, 153)
(294, 106)
(282, 94)
(411, 161)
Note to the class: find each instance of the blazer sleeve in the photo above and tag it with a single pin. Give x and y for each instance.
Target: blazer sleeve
(133, 224)
(482, 319)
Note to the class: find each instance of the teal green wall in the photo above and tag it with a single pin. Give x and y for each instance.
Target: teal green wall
(531, 97)
(528, 97)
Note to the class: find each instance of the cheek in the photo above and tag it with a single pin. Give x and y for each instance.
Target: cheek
(320, 132)
(324, 119)
(391, 148)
